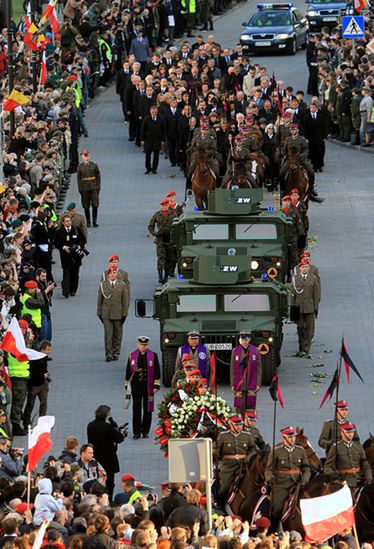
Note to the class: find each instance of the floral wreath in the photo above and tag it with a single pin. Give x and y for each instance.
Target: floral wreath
(185, 414)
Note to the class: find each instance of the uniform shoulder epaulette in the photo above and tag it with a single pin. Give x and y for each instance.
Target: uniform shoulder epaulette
(279, 444)
(298, 446)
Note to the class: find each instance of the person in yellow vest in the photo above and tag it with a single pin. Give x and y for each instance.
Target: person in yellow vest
(128, 485)
(32, 302)
(4, 427)
(188, 10)
(106, 57)
(19, 374)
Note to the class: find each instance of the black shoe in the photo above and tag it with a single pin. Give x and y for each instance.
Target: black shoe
(108, 359)
(72, 294)
(49, 359)
(145, 435)
(115, 358)
(96, 224)
(18, 431)
(66, 295)
(155, 171)
(88, 223)
(136, 436)
(131, 139)
(147, 172)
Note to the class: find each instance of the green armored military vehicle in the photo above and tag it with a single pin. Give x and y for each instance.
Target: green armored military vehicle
(235, 219)
(220, 300)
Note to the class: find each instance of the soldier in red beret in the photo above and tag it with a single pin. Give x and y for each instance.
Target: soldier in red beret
(159, 226)
(121, 273)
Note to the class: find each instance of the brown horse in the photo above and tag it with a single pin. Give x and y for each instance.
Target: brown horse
(203, 179)
(314, 461)
(294, 175)
(259, 167)
(241, 178)
(368, 446)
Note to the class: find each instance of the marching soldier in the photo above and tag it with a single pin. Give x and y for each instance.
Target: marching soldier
(287, 466)
(302, 212)
(250, 418)
(234, 447)
(346, 459)
(306, 292)
(292, 214)
(89, 185)
(121, 274)
(143, 374)
(198, 352)
(306, 258)
(245, 372)
(177, 209)
(112, 310)
(159, 226)
(331, 429)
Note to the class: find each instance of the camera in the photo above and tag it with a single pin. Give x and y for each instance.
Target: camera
(77, 251)
(120, 428)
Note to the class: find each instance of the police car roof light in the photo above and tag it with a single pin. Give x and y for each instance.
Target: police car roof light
(284, 6)
(180, 277)
(264, 276)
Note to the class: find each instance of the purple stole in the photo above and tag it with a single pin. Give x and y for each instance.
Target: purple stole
(150, 374)
(201, 356)
(239, 377)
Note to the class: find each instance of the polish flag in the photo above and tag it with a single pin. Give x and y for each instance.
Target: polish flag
(39, 441)
(14, 343)
(326, 516)
(43, 70)
(360, 5)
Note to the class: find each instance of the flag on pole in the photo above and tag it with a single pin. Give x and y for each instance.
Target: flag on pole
(31, 37)
(39, 538)
(348, 363)
(213, 370)
(43, 70)
(331, 388)
(360, 5)
(50, 13)
(39, 441)
(14, 343)
(275, 391)
(16, 99)
(325, 516)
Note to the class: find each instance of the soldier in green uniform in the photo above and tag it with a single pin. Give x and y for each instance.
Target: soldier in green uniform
(306, 258)
(238, 155)
(302, 212)
(159, 227)
(183, 374)
(287, 466)
(291, 212)
(284, 128)
(355, 114)
(301, 144)
(234, 447)
(346, 460)
(176, 210)
(250, 418)
(89, 185)
(331, 428)
(206, 138)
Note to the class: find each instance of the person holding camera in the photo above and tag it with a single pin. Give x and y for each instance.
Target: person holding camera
(70, 241)
(38, 384)
(10, 462)
(104, 434)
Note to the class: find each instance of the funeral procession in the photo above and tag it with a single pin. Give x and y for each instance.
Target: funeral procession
(186, 274)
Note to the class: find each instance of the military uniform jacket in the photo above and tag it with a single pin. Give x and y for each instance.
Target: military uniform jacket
(121, 275)
(159, 226)
(88, 176)
(257, 437)
(306, 292)
(300, 143)
(229, 444)
(348, 461)
(330, 432)
(112, 301)
(289, 465)
(312, 270)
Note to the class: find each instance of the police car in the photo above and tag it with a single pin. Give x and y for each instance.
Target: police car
(275, 27)
(324, 13)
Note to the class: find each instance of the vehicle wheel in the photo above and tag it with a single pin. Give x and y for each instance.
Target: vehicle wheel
(168, 365)
(293, 47)
(269, 364)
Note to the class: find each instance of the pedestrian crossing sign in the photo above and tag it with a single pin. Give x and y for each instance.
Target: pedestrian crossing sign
(353, 26)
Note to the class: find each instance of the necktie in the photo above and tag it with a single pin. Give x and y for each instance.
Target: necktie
(314, 116)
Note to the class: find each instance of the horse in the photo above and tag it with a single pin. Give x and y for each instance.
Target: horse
(203, 178)
(314, 461)
(260, 167)
(368, 446)
(294, 175)
(241, 178)
(364, 513)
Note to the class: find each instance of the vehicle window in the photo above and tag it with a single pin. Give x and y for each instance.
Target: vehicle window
(270, 19)
(299, 14)
(323, 2)
(196, 304)
(257, 231)
(246, 302)
(211, 232)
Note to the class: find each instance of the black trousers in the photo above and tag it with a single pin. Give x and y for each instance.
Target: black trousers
(172, 148)
(149, 163)
(70, 279)
(109, 483)
(141, 418)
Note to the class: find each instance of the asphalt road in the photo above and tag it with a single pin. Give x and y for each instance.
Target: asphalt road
(343, 226)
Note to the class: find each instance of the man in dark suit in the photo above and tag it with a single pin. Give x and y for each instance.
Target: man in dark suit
(153, 136)
(314, 128)
(69, 240)
(104, 437)
(123, 81)
(171, 120)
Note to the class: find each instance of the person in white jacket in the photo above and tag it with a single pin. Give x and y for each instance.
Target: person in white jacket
(45, 504)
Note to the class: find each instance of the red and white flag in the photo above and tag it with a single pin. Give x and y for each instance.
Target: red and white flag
(360, 5)
(39, 440)
(14, 342)
(43, 70)
(50, 12)
(326, 516)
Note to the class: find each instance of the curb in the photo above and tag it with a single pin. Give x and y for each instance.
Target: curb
(365, 150)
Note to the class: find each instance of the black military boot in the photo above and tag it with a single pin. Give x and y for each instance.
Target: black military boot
(160, 276)
(87, 213)
(17, 430)
(94, 217)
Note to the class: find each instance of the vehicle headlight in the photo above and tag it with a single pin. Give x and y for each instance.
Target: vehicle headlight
(185, 261)
(246, 37)
(279, 264)
(283, 36)
(166, 340)
(254, 265)
(270, 340)
(312, 13)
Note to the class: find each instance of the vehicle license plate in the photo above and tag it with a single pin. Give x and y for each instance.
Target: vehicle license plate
(219, 346)
(262, 43)
(327, 19)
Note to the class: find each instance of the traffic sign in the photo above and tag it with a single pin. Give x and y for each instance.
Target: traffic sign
(370, 45)
(353, 26)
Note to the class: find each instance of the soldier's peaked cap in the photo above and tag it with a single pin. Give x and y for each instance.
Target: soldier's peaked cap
(85, 152)
(192, 333)
(294, 125)
(245, 333)
(348, 427)
(251, 414)
(236, 420)
(342, 404)
(143, 339)
(289, 431)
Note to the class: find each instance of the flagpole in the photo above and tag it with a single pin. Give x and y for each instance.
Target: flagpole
(274, 428)
(339, 367)
(356, 536)
(8, 9)
(34, 61)
(28, 472)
